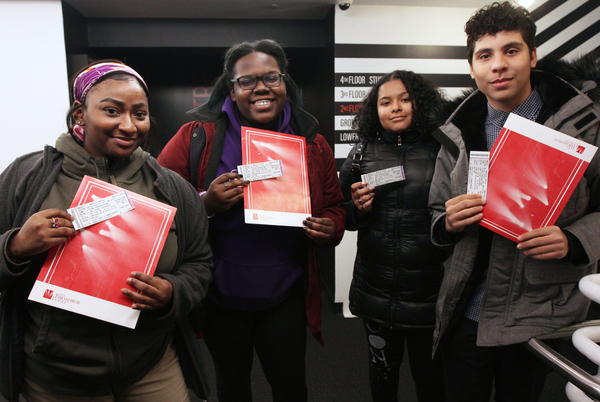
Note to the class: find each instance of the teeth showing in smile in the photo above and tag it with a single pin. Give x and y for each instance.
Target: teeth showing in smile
(262, 102)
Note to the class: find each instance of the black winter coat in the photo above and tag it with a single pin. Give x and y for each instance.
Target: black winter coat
(397, 271)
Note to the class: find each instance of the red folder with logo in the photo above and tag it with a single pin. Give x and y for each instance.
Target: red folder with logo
(86, 274)
(285, 200)
(533, 172)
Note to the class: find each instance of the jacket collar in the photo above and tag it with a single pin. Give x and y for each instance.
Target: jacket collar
(303, 123)
(469, 117)
(78, 162)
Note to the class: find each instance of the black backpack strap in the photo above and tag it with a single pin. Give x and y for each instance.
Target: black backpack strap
(197, 144)
(446, 143)
(357, 158)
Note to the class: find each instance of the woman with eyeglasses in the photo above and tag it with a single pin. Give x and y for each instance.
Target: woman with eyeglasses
(266, 285)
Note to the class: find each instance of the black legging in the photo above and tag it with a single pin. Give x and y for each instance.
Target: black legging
(279, 337)
(386, 351)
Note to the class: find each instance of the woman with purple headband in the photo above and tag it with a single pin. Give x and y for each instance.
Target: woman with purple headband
(48, 354)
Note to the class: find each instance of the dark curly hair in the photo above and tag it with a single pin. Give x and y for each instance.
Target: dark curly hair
(427, 104)
(498, 17)
(223, 84)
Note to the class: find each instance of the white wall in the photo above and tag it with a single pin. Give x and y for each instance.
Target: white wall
(33, 77)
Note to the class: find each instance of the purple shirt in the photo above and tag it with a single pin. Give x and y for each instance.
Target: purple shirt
(255, 266)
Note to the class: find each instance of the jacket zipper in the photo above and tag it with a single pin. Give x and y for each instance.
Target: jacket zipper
(397, 225)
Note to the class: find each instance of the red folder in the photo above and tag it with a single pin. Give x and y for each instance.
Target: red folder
(285, 200)
(86, 274)
(533, 172)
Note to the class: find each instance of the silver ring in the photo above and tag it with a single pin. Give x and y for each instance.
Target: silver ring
(226, 186)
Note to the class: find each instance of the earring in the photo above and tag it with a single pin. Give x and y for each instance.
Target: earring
(79, 131)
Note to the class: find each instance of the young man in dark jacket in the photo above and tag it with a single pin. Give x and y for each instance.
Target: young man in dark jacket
(496, 294)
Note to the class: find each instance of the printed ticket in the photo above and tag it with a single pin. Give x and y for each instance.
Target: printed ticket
(101, 210)
(261, 170)
(384, 176)
(479, 163)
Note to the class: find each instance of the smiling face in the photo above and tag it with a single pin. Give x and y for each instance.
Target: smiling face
(116, 118)
(394, 106)
(259, 107)
(501, 67)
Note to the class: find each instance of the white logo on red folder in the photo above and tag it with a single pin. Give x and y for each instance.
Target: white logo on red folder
(580, 149)
(48, 294)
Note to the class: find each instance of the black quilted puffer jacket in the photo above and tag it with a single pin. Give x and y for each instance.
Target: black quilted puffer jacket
(397, 271)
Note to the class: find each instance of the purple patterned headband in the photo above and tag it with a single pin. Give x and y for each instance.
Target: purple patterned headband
(87, 78)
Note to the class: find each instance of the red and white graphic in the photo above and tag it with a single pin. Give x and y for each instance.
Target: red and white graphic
(533, 172)
(88, 272)
(281, 201)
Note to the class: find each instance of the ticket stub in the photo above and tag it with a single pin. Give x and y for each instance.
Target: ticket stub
(479, 163)
(261, 170)
(384, 176)
(100, 210)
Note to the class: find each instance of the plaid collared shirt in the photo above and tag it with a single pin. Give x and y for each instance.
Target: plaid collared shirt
(530, 109)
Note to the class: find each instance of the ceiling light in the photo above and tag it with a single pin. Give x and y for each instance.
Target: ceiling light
(526, 3)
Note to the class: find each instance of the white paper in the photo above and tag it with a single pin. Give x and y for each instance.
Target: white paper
(75, 302)
(552, 138)
(97, 211)
(261, 170)
(479, 162)
(384, 176)
(274, 218)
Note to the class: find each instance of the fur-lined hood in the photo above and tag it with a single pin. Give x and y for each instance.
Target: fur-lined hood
(583, 73)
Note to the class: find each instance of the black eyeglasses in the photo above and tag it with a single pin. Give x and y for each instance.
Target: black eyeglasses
(270, 80)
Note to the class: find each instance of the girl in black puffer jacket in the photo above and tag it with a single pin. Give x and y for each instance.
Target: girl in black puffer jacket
(398, 271)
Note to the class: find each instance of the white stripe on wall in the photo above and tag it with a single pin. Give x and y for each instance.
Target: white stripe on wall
(342, 150)
(422, 66)
(569, 32)
(585, 48)
(557, 14)
(392, 25)
(535, 5)
(454, 92)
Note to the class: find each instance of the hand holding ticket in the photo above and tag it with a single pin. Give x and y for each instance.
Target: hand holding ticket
(384, 176)
(261, 170)
(478, 173)
(100, 210)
